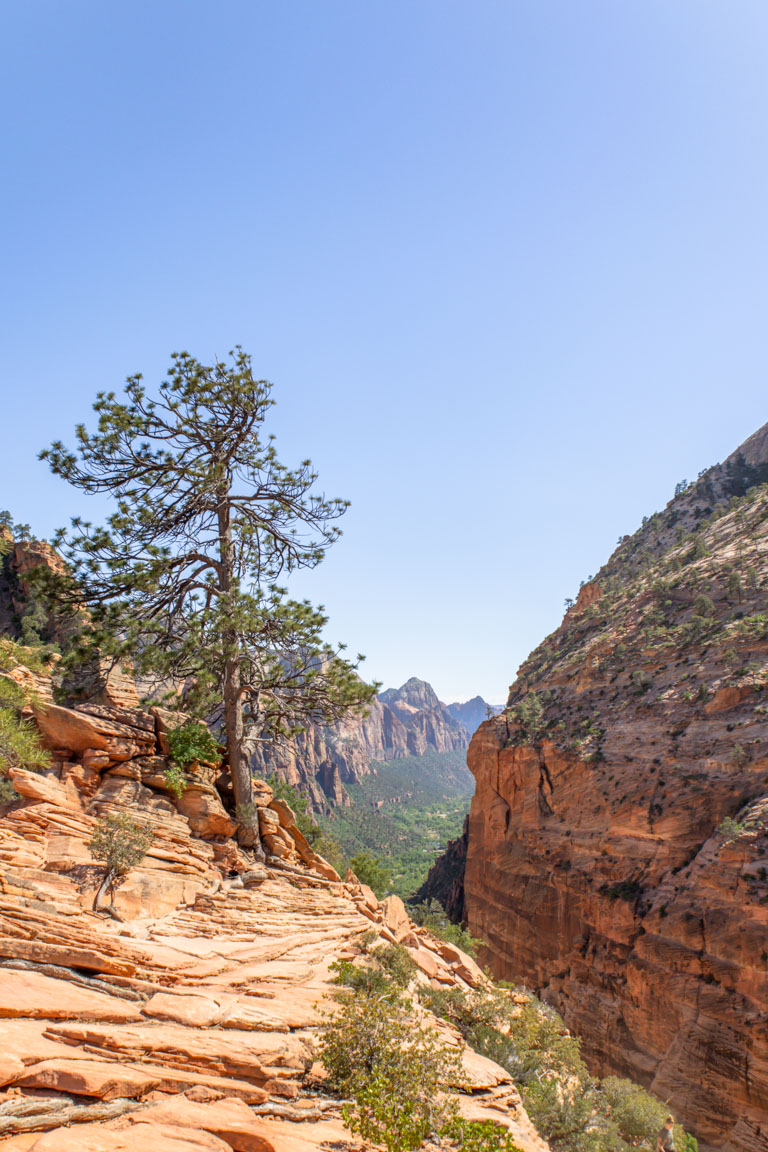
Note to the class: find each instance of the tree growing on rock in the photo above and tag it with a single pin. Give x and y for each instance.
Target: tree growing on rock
(121, 843)
(183, 577)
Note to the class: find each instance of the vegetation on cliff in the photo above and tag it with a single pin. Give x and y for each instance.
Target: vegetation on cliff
(405, 814)
(400, 1073)
(20, 745)
(619, 827)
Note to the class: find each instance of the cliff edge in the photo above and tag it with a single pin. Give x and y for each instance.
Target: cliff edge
(617, 857)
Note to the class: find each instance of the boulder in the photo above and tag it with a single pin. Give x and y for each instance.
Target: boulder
(63, 728)
(254, 876)
(35, 786)
(100, 1078)
(395, 916)
(204, 810)
(284, 812)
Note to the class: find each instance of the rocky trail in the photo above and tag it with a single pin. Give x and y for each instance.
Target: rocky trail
(190, 1023)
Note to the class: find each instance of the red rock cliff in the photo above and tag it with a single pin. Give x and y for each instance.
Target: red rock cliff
(618, 838)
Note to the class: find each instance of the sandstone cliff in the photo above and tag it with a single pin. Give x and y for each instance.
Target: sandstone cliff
(400, 722)
(186, 1025)
(618, 837)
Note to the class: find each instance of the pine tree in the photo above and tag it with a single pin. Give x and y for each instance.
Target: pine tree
(183, 577)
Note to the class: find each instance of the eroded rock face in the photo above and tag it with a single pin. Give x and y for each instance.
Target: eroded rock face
(401, 722)
(617, 855)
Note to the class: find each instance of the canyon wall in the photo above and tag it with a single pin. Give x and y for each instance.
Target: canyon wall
(400, 722)
(617, 856)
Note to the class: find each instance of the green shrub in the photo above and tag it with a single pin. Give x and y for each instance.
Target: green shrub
(368, 979)
(34, 657)
(120, 842)
(467, 1011)
(396, 962)
(193, 741)
(638, 1116)
(433, 917)
(8, 793)
(563, 1113)
(478, 1136)
(530, 716)
(729, 828)
(373, 872)
(20, 745)
(175, 779)
(375, 1051)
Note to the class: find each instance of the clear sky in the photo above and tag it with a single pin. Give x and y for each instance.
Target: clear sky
(506, 263)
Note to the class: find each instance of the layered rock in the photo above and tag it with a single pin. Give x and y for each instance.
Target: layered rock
(408, 721)
(618, 836)
(190, 1022)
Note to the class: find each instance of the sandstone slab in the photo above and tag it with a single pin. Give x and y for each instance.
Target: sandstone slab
(105, 1080)
(230, 1119)
(136, 1138)
(31, 994)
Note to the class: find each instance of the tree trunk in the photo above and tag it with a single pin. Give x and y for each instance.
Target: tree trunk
(245, 810)
(98, 900)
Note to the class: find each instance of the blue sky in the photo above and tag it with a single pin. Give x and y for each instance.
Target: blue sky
(505, 262)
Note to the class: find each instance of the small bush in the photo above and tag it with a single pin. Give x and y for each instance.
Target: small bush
(120, 842)
(478, 1136)
(368, 979)
(530, 716)
(638, 1116)
(467, 1011)
(397, 963)
(20, 745)
(373, 872)
(433, 917)
(192, 741)
(375, 1051)
(8, 793)
(563, 1114)
(35, 657)
(175, 779)
(729, 828)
